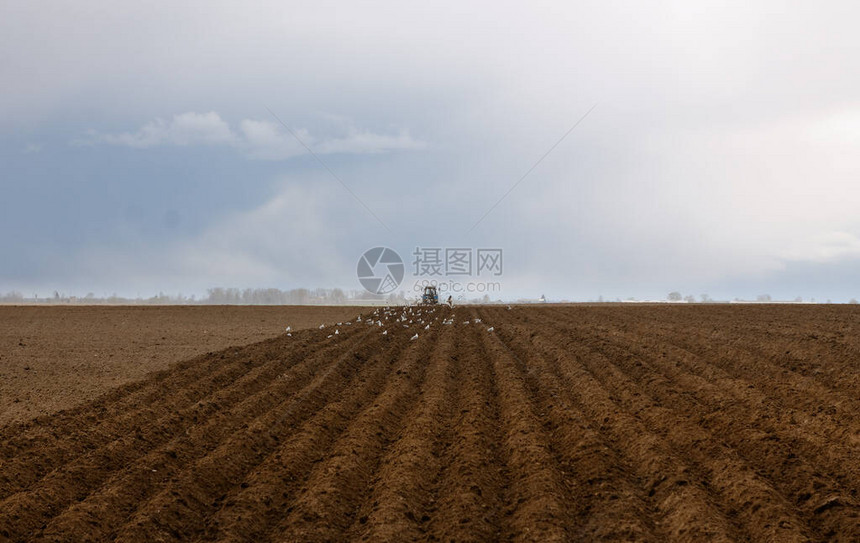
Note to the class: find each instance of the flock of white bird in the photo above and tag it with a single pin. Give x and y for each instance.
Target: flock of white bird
(406, 316)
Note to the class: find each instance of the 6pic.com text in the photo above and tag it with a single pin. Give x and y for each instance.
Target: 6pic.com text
(456, 287)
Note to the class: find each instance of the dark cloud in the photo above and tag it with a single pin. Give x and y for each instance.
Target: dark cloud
(722, 155)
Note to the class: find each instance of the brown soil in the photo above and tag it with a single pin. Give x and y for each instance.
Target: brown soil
(56, 357)
(563, 423)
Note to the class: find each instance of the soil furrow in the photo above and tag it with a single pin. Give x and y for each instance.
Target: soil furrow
(606, 422)
(231, 408)
(761, 510)
(23, 512)
(773, 331)
(250, 510)
(606, 500)
(737, 355)
(327, 506)
(179, 509)
(684, 508)
(756, 434)
(822, 439)
(35, 455)
(468, 496)
(400, 505)
(540, 503)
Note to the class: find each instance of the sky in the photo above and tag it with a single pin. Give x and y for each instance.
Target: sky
(622, 149)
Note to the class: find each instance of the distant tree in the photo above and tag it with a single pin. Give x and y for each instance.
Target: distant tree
(798, 300)
(689, 299)
(705, 298)
(12, 297)
(852, 301)
(215, 296)
(674, 296)
(763, 298)
(398, 297)
(299, 296)
(338, 296)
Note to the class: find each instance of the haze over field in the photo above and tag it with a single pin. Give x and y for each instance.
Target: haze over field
(139, 153)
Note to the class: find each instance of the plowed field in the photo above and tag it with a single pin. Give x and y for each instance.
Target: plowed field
(56, 357)
(550, 423)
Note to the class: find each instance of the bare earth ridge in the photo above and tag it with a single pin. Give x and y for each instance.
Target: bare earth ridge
(55, 357)
(549, 423)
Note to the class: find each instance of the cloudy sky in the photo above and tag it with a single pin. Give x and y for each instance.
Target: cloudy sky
(142, 150)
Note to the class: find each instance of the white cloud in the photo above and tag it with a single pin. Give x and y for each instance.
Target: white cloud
(827, 247)
(367, 142)
(725, 144)
(263, 140)
(285, 242)
(184, 129)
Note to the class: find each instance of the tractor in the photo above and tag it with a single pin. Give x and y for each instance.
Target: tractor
(430, 296)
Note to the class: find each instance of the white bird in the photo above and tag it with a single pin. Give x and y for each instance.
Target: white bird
(336, 332)
(490, 329)
(328, 336)
(385, 332)
(427, 327)
(322, 326)
(413, 337)
(289, 328)
(289, 335)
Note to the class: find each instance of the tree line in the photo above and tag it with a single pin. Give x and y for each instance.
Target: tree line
(216, 296)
